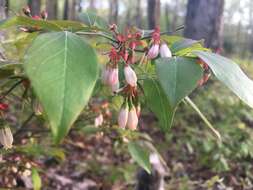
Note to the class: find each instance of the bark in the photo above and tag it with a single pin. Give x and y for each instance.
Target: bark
(153, 13)
(52, 7)
(66, 10)
(138, 16)
(3, 14)
(93, 5)
(204, 20)
(175, 16)
(79, 6)
(34, 6)
(72, 10)
(167, 17)
(114, 9)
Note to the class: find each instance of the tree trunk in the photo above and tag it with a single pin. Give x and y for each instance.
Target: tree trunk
(66, 10)
(167, 17)
(72, 10)
(79, 6)
(34, 6)
(93, 5)
(153, 13)
(204, 20)
(3, 14)
(175, 16)
(138, 16)
(52, 7)
(114, 9)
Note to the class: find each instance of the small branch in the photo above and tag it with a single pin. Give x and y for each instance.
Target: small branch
(21, 128)
(166, 32)
(12, 88)
(98, 34)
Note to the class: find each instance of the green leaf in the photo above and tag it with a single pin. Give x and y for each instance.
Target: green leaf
(157, 101)
(182, 44)
(50, 25)
(140, 155)
(26, 21)
(178, 77)
(36, 179)
(230, 74)
(93, 20)
(63, 71)
(69, 24)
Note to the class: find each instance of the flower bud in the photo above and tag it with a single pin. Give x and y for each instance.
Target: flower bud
(165, 51)
(113, 76)
(115, 87)
(132, 120)
(105, 75)
(27, 11)
(153, 51)
(130, 76)
(44, 15)
(98, 120)
(6, 138)
(123, 116)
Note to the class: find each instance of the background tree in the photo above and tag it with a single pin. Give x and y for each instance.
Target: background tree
(35, 6)
(52, 8)
(72, 10)
(138, 15)
(114, 11)
(92, 5)
(204, 21)
(153, 13)
(66, 9)
(3, 10)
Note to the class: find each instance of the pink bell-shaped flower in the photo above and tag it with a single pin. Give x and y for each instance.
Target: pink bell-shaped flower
(153, 51)
(6, 138)
(98, 121)
(113, 76)
(132, 120)
(165, 51)
(130, 76)
(105, 75)
(123, 117)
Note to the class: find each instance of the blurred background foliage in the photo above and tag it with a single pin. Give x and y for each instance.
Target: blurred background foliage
(99, 158)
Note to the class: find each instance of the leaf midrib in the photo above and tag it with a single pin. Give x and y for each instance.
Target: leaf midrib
(64, 76)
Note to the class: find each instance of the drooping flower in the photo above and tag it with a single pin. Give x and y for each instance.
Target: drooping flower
(130, 76)
(44, 15)
(132, 120)
(165, 51)
(99, 120)
(153, 51)
(105, 75)
(6, 138)
(123, 116)
(115, 87)
(27, 11)
(113, 76)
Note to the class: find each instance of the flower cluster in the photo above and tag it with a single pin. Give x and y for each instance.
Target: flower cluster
(27, 12)
(123, 52)
(158, 47)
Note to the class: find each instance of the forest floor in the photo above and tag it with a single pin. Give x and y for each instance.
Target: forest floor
(93, 160)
